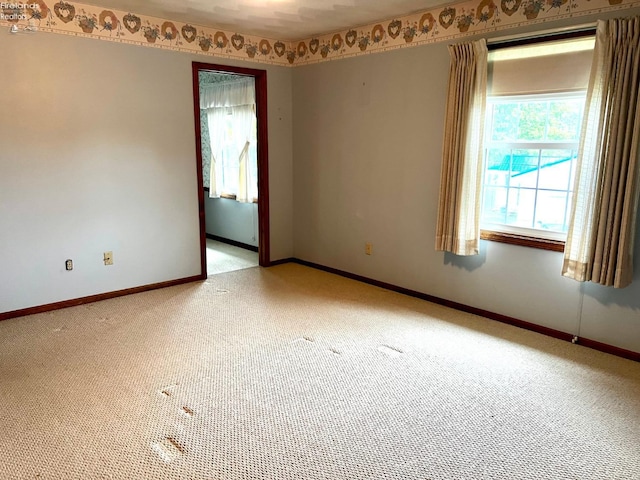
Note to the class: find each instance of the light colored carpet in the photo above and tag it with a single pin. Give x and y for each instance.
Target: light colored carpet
(291, 373)
(222, 257)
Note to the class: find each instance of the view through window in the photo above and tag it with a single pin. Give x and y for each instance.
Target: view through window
(531, 151)
(535, 102)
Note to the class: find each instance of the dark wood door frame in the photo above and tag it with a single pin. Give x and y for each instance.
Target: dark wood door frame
(260, 76)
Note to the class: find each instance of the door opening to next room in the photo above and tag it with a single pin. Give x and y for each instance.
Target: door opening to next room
(232, 165)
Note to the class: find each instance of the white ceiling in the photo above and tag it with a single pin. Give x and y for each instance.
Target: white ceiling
(275, 19)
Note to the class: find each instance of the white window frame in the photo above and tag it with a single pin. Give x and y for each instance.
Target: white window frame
(531, 145)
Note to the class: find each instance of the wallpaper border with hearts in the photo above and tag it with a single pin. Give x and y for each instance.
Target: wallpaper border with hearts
(442, 24)
(445, 24)
(82, 20)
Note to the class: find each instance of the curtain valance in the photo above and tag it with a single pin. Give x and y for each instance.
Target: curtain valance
(228, 94)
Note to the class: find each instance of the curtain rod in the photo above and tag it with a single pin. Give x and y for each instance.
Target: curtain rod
(575, 30)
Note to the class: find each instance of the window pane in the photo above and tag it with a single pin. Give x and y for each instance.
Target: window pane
(521, 205)
(524, 168)
(550, 210)
(537, 120)
(533, 121)
(505, 121)
(494, 207)
(556, 167)
(498, 167)
(565, 119)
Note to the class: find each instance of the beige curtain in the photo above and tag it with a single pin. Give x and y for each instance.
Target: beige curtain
(458, 229)
(599, 245)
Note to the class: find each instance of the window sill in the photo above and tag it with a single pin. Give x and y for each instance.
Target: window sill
(231, 196)
(523, 240)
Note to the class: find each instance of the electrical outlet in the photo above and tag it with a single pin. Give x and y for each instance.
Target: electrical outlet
(108, 258)
(368, 248)
(68, 264)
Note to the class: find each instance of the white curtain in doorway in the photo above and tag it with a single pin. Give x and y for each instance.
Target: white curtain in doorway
(231, 100)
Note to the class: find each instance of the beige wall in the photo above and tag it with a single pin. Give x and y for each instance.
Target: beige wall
(97, 153)
(367, 148)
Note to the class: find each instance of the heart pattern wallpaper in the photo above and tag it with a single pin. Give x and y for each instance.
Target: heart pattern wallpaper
(442, 24)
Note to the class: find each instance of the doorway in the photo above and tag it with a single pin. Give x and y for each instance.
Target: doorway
(260, 79)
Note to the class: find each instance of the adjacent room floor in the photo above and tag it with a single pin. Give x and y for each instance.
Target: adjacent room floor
(222, 257)
(291, 373)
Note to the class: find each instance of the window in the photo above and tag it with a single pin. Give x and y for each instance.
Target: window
(531, 149)
(534, 115)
